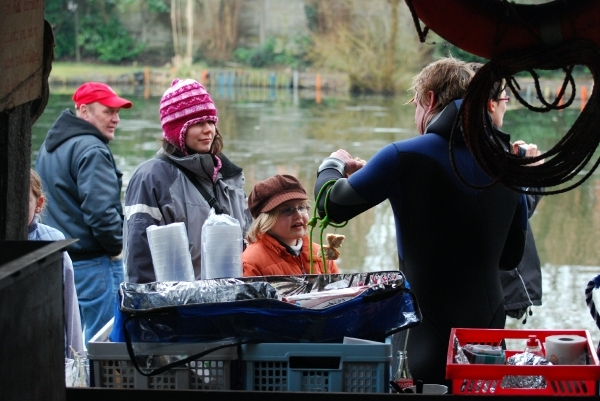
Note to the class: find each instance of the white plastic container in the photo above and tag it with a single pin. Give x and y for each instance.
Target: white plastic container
(170, 251)
(222, 246)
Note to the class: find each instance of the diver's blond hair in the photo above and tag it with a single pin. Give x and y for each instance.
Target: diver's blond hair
(448, 78)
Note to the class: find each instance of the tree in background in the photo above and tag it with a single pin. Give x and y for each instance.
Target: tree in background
(100, 34)
(207, 29)
(182, 28)
(222, 38)
(373, 42)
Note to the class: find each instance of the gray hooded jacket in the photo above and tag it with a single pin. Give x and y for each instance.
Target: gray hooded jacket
(160, 194)
(83, 187)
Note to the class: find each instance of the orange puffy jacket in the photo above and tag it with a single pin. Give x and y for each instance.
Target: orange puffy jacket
(268, 257)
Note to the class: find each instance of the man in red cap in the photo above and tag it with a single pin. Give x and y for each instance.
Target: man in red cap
(83, 188)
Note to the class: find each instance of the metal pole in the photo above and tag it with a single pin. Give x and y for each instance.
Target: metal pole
(77, 54)
(72, 6)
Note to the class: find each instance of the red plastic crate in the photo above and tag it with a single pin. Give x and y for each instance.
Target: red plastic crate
(481, 379)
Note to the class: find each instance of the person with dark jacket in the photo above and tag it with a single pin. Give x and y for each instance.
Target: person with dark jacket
(166, 189)
(84, 197)
(452, 239)
(522, 285)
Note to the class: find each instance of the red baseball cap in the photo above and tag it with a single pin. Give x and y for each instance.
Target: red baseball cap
(91, 92)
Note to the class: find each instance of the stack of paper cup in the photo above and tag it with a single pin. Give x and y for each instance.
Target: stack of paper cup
(222, 247)
(170, 252)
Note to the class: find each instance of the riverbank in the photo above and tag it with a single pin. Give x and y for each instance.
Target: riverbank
(72, 74)
(78, 73)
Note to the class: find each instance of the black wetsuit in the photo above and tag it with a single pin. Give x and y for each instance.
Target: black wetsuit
(452, 240)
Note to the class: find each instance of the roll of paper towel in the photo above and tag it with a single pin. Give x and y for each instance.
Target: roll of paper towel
(566, 349)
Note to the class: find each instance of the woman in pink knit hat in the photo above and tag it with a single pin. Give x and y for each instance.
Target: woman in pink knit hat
(189, 176)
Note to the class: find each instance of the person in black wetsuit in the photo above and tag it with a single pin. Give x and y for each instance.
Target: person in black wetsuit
(452, 240)
(522, 286)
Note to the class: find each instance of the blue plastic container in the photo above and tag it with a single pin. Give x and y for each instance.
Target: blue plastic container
(353, 368)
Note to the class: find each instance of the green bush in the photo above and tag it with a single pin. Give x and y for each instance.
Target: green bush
(268, 55)
(108, 42)
(100, 35)
(63, 29)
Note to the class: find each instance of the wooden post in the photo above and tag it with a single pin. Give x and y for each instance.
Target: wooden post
(547, 93)
(25, 62)
(15, 162)
(146, 82)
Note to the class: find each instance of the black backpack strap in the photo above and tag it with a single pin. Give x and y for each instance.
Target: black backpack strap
(212, 201)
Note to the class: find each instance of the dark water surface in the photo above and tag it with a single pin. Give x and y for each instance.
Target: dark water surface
(271, 132)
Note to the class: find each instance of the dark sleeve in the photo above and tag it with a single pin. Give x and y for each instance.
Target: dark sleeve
(532, 201)
(99, 191)
(142, 209)
(343, 202)
(369, 186)
(515, 242)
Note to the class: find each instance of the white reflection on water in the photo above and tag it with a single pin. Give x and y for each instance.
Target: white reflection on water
(381, 241)
(563, 301)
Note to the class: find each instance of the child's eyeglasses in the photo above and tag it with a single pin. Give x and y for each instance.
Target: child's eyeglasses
(289, 211)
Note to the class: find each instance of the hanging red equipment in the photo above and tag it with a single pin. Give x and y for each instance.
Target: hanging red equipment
(490, 28)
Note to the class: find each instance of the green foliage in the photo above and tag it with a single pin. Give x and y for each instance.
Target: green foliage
(312, 17)
(158, 6)
(61, 19)
(155, 6)
(109, 42)
(445, 49)
(100, 34)
(269, 54)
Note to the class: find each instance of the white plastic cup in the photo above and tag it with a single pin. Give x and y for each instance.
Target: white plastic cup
(172, 274)
(224, 271)
(222, 256)
(222, 247)
(170, 252)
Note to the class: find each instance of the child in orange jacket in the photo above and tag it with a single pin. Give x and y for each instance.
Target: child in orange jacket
(278, 236)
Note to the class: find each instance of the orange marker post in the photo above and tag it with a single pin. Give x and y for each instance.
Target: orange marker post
(560, 95)
(318, 88)
(583, 99)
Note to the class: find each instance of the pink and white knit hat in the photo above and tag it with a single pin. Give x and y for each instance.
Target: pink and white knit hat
(185, 103)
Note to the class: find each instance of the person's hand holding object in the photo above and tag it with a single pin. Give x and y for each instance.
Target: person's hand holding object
(531, 150)
(351, 164)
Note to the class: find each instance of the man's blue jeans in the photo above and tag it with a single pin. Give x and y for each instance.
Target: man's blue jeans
(96, 282)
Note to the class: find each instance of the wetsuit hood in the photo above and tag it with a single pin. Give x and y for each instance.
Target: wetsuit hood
(67, 126)
(442, 123)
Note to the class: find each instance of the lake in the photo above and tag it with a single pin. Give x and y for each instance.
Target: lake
(268, 132)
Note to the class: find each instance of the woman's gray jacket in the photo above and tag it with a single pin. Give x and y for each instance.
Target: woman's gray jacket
(159, 193)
